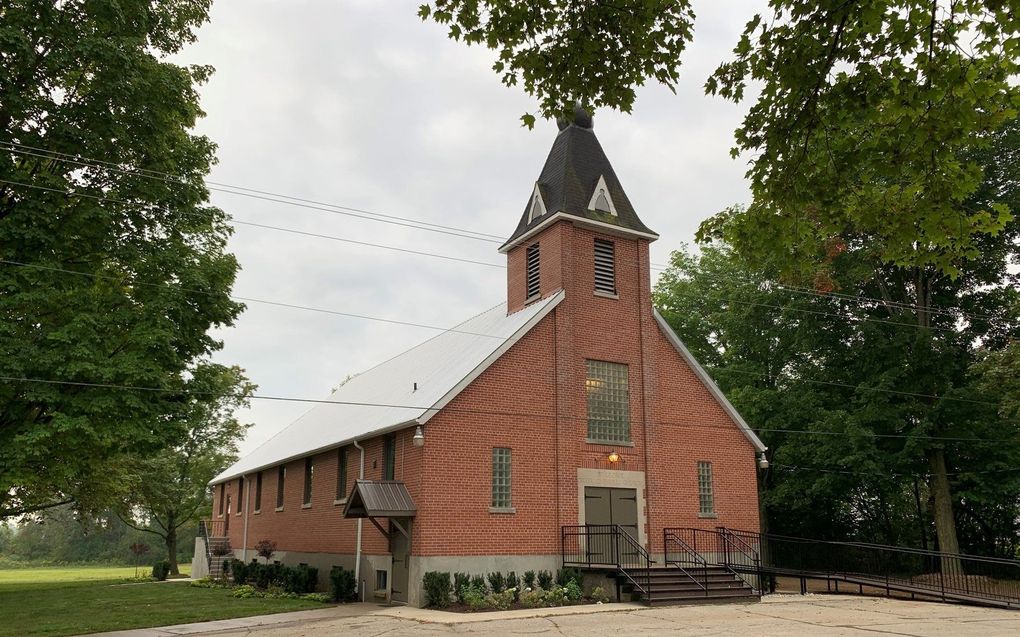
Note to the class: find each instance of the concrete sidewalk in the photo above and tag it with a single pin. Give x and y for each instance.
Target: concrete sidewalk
(774, 616)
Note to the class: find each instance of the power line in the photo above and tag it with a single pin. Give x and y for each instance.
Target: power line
(887, 475)
(465, 410)
(246, 299)
(332, 208)
(18, 148)
(443, 329)
(235, 221)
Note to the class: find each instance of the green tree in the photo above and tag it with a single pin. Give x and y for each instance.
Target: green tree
(120, 282)
(171, 487)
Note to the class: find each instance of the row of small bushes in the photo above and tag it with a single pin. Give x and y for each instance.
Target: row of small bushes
(501, 591)
(299, 579)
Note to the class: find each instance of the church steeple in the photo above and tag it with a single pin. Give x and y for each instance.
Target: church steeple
(579, 184)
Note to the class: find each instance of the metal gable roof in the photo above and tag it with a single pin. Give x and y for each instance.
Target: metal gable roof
(379, 499)
(385, 397)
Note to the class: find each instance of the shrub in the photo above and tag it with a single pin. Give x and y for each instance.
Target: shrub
(512, 583)
(160, 570)
(529, 579)
(532, 598)
(497, 582)
(545, 580)
(436, 586)
(478, 583)
(241, 572)
(556, 596)
(502, 600)
(599, 595)
(317, 597)
(246, 591)
(299, 579)
(342, 584)
(573, 591)
(460, 580)
(207, 582)
(565, 575)
(474, 597)
(266, 549)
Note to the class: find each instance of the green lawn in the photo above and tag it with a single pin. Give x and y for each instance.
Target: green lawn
(72, 601)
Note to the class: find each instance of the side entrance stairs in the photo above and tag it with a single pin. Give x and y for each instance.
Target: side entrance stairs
(669, 585)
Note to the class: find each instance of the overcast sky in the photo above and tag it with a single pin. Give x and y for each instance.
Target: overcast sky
(359, 103)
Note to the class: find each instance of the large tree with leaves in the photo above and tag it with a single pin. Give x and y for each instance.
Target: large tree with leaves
(108, 276)
(171, 487)
(861, 138)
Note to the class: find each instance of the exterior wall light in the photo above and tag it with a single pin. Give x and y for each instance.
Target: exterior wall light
(419, 437)
(614, 457)
(763, 462)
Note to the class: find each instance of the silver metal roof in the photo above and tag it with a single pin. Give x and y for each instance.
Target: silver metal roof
(379, 498)
(407, 389)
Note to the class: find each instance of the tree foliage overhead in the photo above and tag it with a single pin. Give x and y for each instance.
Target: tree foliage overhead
(592, 52)
(122, 280)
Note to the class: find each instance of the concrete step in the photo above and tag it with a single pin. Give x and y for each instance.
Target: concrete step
(677, 600)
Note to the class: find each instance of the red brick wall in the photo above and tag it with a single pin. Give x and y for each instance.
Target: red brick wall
(536, 398)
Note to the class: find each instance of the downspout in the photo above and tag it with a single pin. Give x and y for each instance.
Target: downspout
(247, 502)
(357, 551)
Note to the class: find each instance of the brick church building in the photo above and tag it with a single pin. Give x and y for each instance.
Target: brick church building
(573, 403)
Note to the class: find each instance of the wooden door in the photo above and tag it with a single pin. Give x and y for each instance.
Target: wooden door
(400, 550)
(605, 508)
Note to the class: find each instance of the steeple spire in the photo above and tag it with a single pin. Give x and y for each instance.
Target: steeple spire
(578, 183)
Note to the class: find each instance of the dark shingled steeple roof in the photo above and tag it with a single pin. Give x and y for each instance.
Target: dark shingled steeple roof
(569, 178)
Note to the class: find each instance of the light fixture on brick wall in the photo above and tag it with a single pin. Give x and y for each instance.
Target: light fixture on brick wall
(613, 457)
(419, 437)
(763, 462)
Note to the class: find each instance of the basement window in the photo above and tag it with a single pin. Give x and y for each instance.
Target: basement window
(605, 266)
(533, 278)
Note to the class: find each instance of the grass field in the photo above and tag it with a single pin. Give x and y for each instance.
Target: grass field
(74, 600)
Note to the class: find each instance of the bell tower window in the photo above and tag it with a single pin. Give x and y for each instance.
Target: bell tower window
(533, 281)
(605, 266)
(537, 206)
(601, 200)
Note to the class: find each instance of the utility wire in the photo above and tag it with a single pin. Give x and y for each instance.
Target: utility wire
(787, 467)
(248, 299)
(452, 258)
(25, 149)
(465, 410)
(443, 329)
(235, 221)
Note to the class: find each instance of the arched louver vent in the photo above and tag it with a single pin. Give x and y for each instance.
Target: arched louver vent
(533, 279)
(605, 266)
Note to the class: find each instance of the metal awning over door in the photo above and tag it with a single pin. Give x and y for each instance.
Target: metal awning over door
(380, 499)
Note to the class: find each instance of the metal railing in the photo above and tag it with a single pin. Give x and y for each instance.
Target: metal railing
(212, 528)
(930, 574)
(607, 546)
(916, 571)
(679, 552)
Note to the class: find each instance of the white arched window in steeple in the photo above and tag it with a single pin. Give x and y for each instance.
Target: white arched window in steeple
(601, 200)
(537, 207)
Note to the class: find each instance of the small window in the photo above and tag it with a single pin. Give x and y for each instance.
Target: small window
(223, 496)
(309, 473)
(341, 473)
(281, 477)
(706, 496)
(389, 456)
(608, 393)
(258, 491)
(537, 207)
(605, 266)
(501, 478)
(533, 279)
(240, 495)
(602, 201)
(380, 581)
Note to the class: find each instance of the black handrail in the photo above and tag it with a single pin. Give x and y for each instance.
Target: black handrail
(678, 552)
(605, 546)
(945, 576)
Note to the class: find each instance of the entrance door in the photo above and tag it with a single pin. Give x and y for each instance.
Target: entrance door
(400, 548)
(608, 506)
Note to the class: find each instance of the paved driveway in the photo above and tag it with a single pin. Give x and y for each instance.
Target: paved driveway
(775, 616)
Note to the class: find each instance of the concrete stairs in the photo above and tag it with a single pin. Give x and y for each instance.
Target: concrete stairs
(670, 586)
(219, 552)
